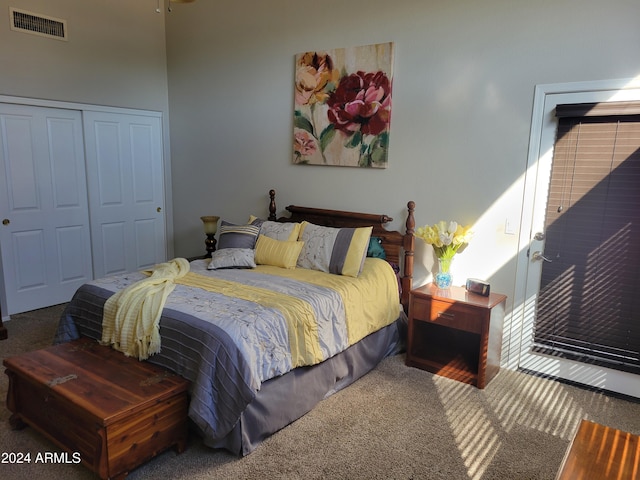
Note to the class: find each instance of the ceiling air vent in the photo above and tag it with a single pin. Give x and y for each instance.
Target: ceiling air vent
(36, 24)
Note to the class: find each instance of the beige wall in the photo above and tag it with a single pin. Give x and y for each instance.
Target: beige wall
(115, 54)
(464, 80)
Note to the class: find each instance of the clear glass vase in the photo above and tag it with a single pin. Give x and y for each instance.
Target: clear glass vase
(443, 277)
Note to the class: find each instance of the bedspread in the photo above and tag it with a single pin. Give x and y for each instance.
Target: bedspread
(227, 342)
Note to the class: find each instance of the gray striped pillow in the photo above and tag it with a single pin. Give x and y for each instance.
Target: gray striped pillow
(238, 236)
(333, 250)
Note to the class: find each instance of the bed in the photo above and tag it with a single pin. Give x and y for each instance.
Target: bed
(251, 372)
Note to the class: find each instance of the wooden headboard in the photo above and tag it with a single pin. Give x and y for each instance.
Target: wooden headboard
(399, 247)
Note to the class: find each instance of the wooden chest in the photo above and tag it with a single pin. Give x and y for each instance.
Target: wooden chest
(111, 411)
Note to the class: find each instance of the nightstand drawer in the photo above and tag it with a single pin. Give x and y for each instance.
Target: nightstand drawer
(444, 313)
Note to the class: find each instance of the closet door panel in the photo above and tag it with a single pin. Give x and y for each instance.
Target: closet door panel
(29, 260)
(146, 246)
(126, 188)
(71, 240)
(69, 182)
(109, 171)
(21, 183)
(44, 206)
(144, 173)
(113, 239)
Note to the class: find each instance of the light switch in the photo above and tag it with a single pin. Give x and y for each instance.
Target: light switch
(509, 227)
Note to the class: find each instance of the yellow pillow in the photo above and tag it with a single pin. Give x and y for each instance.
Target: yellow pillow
(279, 253)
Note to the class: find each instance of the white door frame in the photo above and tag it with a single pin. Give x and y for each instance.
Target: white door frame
(541, 143)
(168, 204)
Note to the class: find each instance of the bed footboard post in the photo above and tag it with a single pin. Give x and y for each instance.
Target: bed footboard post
(272, 205)
(409, 241)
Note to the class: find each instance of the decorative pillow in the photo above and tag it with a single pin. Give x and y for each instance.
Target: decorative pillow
(232, 258)
(238, 236)
(279, 253)
(278, 230)
(333, 250)
(376, 250)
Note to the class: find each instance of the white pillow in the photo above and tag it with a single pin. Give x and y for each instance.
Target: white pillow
(232, 258)
(283, 231)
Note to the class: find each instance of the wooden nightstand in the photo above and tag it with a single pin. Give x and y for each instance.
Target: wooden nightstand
(455, 333)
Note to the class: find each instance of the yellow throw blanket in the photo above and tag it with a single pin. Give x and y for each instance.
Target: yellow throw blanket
(131, 316)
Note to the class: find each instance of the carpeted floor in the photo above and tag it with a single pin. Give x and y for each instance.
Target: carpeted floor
(394, 423)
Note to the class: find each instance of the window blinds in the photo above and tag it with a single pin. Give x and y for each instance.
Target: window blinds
(589, 301)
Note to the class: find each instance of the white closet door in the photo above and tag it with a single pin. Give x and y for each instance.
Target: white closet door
(45, 240)
(126, 191)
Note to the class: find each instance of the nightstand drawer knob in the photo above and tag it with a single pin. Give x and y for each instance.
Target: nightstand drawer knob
(446, 315)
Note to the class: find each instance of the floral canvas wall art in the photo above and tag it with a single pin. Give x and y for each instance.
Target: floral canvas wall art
(342, 105)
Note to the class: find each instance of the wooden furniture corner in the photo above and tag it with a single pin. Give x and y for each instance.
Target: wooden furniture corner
(4, 334)
(110, 411)
(601, 452)
(455, 333)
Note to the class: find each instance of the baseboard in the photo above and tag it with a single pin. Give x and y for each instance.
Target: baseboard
(604, 391)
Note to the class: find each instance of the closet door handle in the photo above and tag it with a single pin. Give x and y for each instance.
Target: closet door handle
(6, 221)
(159, 209)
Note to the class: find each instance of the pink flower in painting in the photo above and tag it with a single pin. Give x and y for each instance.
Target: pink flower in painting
(315, 78)
(362, 102)
(304, 145)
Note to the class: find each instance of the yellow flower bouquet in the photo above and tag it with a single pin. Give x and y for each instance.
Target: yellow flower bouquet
(446, 238)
